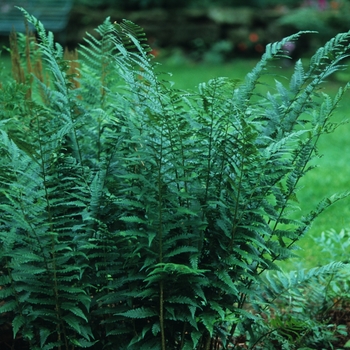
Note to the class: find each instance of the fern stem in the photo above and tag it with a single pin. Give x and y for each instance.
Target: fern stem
(209, 160)
(183, 335)
(160, 238)
(207, 344)
(161, 314)
(262, 337)
(234, 227)
(60, 326)
(28, 61)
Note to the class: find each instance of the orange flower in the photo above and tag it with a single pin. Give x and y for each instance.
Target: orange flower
(253, 37)
(334, 5)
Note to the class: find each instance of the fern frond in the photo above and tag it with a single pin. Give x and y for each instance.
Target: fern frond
(272, 51)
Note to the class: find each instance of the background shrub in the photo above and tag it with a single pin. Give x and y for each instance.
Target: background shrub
(144, 4)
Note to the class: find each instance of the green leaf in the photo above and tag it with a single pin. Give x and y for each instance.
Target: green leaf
(181, 250)
(151, 237)
(216, 306)
(195, 336)
(73, 322)
(17, 323)
(140, 312)
(8, 306)
(83, 343)
(75, 310)
(5, 292)
(155, 328)
(225, 277)
(133, 219)
(44, 334)
(208, 321)
(182, 299)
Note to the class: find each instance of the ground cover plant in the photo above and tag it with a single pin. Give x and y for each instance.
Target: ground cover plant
(137, 216)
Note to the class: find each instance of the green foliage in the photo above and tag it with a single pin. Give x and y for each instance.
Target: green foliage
(306, 309)
(169, 4)
(139, 216)
(335, 245)
(326, 23)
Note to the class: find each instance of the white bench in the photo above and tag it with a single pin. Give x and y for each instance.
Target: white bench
(53, 14)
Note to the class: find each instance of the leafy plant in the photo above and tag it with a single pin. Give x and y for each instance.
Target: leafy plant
(139, 216)
(296, 310)
(306, 309)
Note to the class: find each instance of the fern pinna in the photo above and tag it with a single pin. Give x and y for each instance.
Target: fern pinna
(139, 216)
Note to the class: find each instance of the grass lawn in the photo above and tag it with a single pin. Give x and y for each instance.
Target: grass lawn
(333, 167)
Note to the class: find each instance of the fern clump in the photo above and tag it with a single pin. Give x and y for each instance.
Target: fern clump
(139, 216)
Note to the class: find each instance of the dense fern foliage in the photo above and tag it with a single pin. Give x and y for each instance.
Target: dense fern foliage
(136, 216)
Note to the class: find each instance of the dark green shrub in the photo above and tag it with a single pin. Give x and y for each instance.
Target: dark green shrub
(138, 216)
(169, 4)
(326, 23)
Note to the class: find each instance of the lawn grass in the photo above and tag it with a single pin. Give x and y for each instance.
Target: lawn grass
(333, 167)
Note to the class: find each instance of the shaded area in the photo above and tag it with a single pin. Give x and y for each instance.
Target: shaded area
(204, 30)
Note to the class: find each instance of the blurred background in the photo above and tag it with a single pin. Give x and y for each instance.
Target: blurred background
(212, 31)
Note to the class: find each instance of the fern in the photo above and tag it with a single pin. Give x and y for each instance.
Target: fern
(139, 216)
(296, 305)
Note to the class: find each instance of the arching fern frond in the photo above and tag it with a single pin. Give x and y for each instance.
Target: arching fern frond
(272, 51)
(132, 37)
